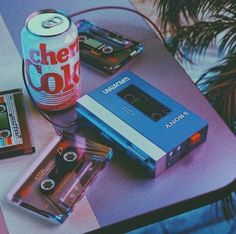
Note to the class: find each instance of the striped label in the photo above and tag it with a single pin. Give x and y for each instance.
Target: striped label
(121, 127)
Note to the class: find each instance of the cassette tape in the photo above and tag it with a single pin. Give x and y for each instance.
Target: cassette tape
(15, 135)
(60, 176)
(152, 127)
(103, 49)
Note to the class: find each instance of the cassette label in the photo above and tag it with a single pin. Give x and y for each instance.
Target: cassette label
(10, 132)
(60, 177)
(15, 136)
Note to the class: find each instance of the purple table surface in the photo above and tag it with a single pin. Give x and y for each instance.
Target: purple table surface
(123, 191)
(3, 227)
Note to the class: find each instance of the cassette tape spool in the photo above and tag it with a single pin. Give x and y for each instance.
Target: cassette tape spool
(60, 176)
(103, 49)
(15, 135)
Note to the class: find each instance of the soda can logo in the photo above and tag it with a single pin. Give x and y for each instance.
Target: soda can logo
(52, 64)
(53, 82)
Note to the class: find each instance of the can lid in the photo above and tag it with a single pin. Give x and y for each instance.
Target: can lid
(47, 23)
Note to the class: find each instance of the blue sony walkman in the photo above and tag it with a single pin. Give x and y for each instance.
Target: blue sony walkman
(155, 129)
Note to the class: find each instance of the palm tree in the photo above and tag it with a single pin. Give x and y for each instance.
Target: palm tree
(194, 26)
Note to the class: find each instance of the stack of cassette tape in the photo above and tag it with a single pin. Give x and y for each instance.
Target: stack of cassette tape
(60, 176)
(15, 135)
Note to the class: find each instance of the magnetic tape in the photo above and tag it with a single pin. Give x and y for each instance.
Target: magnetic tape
(103, 49)
(59, 177)
(15, 135)
(152, 127)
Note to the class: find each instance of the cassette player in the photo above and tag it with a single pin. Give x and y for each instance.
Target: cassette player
(103, 49)
(59, 177)
(152, 127)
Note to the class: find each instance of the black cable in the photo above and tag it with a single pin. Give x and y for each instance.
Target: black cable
(135, 12)
(125, 9)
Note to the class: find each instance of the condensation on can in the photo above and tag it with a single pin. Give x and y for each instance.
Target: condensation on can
(51, 53)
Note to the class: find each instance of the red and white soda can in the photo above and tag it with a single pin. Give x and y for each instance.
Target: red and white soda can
(50, 47)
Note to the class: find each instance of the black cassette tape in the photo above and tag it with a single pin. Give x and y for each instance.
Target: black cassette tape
(60, 176)
(15, 136)
(103, 49)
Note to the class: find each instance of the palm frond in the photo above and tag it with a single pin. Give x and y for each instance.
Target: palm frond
(218, 85)
(195, 39)
(228, 205)
(172, 12)
(227, 44)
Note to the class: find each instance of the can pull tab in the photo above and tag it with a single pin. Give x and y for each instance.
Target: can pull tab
(52, 22)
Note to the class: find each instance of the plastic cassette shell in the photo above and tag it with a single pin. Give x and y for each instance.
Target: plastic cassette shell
(105, 50)
(56, 205)
(14, 120)
(157, 140)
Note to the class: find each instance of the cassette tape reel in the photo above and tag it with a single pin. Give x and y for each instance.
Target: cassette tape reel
(65, 162)
(59, 178)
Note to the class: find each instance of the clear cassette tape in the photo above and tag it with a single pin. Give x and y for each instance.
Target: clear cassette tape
(60, 176)
(105, 50)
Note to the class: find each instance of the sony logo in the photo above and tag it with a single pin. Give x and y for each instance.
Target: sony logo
(116, 85)
(176, 119)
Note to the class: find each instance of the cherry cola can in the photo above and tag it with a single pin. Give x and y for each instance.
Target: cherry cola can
(50, 47)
